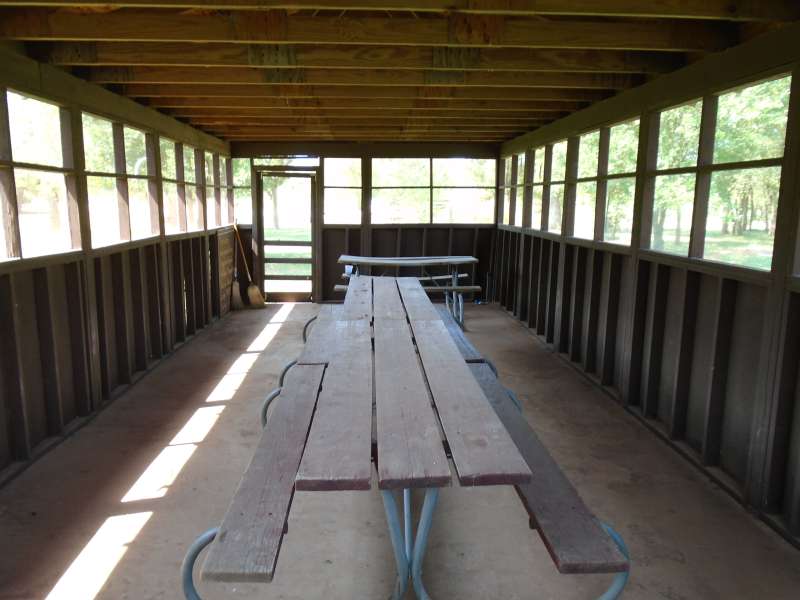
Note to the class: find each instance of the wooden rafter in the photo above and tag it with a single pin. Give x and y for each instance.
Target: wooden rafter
(361, 77)
(277, 27)
(360, 104)
(567, 96)
(360, 57)
(743, 10)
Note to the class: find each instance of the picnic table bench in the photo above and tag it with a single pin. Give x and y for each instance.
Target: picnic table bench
(388, 357)
(453, 291)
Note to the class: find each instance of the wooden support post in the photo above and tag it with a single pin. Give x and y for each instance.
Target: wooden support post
(9, 218)
(122, 183)
(179, 300)
(14, 391)
(612, 285)
(577, 308)
(593, 294)
(45, 305)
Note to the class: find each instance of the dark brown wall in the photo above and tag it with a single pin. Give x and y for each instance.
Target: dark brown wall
(76, 329)
(683, 349)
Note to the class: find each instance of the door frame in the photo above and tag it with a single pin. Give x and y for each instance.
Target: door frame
(313, 173)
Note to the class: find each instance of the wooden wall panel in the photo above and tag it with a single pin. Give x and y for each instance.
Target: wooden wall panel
(62, 336)
(741, 384)
(225, 250)
(670, 350)
(334, 244)
(30, 359)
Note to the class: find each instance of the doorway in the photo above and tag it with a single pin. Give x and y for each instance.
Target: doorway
(287, 213)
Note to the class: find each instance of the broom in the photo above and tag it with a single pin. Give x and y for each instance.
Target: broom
(236, 293)
(253, 293)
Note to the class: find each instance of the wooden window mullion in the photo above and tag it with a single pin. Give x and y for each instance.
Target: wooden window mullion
(702, 188)
(646, 161)
(200, 183)
(8, 194)
(215, 162)
(68, 150)
(179, 175)
(122, 182)
(512, 187)
(548, 166)
(527, 189)
(154, 184)
(601, 198)
(570, 185)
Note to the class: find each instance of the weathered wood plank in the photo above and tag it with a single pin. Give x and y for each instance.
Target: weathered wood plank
(387, 303)
(338, 454)
(482, 450)
(250, 536)
(765, 10)
(275, 27)
(410, 449)
(358, 301)
(456, 78)
(406, 261)
(569, 530)
(418, 305)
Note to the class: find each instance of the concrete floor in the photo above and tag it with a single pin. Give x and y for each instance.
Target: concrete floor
(112, 510)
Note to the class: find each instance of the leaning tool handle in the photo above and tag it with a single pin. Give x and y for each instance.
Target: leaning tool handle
(241, 249)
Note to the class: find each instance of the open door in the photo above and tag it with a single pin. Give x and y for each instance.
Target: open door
(287, 198)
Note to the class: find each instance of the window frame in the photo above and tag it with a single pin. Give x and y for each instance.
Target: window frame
(9, 206)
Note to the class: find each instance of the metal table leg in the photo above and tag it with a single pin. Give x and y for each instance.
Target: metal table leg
(409, 552)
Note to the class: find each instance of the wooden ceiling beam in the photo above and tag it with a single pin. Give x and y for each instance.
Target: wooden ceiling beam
(360, 57)
(376, 121)
(389, 137)
(145, 90)
(278, 27)
(740, 10)
(188, 113)
(359, 104)
(358, 77)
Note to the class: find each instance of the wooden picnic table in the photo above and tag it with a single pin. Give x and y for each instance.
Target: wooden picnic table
(384, 380)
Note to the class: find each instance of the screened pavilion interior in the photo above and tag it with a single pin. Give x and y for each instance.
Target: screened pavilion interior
(627, 175)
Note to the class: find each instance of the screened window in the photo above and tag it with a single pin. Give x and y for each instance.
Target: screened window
(242, 192)
(739, 164)
(558, 175)
(43, 206)
(192, 193)
(620, 182)
(143, 221)
(342, 194)
(211, 181)
(537, 188)
(743, 202)
(105, 198)
(463, 190)
(174, 218)
(586, 187)
(505, 189)
(401, 190)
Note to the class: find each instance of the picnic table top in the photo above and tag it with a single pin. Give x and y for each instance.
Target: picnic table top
(426, 398)
(406, 261)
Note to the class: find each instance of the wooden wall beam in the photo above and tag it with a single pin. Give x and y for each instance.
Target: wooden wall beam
(353, 57)
(278, 27)
(255, 115)
(738, 10)
(295, 77)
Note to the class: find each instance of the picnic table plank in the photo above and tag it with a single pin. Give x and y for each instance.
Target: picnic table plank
(410, 449)
(322, 342)
(338, 454)
(386, 299)
(418, 306)
(482, 450)
(569, 530)
(329, 312)
(246, 547)
(407, 261)
(358, 300)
